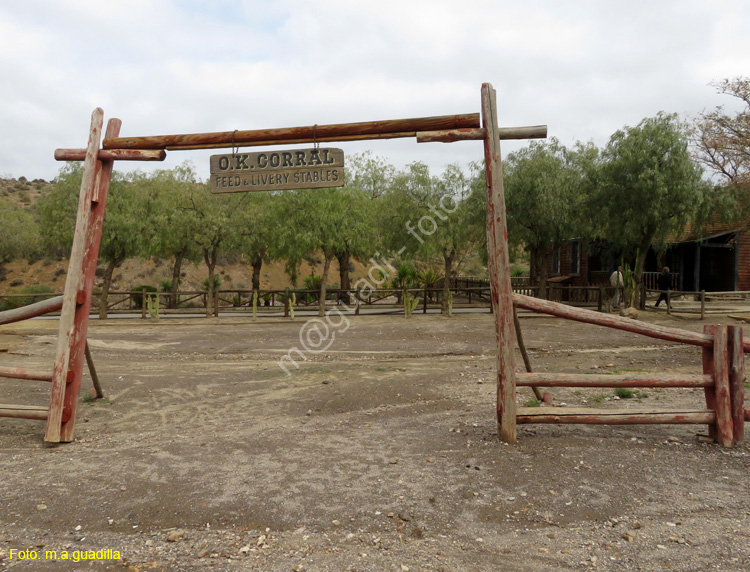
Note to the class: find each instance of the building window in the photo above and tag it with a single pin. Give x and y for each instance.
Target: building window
(575, 258)
(556, 262)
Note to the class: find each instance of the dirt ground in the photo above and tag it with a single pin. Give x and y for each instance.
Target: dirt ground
(380, 453)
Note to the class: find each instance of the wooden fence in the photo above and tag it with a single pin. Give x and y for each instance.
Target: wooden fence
(722, 378)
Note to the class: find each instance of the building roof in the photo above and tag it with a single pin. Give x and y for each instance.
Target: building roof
(694, 233)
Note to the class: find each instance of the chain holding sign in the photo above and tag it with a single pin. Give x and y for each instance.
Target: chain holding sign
(315, 168)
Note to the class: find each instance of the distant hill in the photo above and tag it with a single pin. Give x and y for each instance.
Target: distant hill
(22, 191)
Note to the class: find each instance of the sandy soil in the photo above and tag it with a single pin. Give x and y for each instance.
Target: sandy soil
(378, 454)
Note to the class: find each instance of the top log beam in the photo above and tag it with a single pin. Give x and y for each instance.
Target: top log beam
(311, 133)
(616, 322)
(503, 133)
(111, 155)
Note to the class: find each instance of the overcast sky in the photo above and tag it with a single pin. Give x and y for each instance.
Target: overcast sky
(584, 68)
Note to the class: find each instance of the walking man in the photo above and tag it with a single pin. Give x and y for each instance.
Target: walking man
(664, 282)
(616, 281)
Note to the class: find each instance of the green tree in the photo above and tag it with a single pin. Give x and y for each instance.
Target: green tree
(128, 224)
(544, 199)
(217, 231)
(648, 187)
(430, 218)
(175, 222)
(368, 179)
(323, 221)
(20, 232)
(256, 231)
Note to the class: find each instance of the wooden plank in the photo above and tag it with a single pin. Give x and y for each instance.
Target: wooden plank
(73, 283)
(499, 269)
(708, 369)
(24, 412)
(504, 133)
(21, 373)
(583, 416)
(271, 142)
(31, 310)
(614, 380)
(88, 273)
(737, 382)
(310, 133)
(112, 155)
(724, 428)
(98, 393)
(616, 322)
(314, 168)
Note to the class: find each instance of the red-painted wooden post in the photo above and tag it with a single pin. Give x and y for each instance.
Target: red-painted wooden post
(737, 382)
(70, 356)
(724, 427)
(499, 267)
(708, 369)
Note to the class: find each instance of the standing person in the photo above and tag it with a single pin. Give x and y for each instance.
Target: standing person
(664, 282)
(617, 282)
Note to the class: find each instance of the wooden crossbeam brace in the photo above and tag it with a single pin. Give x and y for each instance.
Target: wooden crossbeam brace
(21, 373)
(31, 310)
(24, 412)
(615, 380)
(614, 417)
(112, 155)
(503, 133)
(364, 130)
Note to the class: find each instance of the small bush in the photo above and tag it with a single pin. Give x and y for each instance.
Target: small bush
(138, 298)
(533, 403)
(624, 392)
(17, 282)
(165, 286)
(217, 282)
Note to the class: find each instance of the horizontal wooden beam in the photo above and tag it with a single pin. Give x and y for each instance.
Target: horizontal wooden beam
(20, 373)
(310, 133)
(112, 154)
(24, 412)
(504, 133)
(614, 417)
(616, 322)
(31, 311)
(272, 142)
(613, 380)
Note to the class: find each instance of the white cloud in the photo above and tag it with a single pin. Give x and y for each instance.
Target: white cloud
(584, 67)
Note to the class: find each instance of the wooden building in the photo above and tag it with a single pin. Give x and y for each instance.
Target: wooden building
(715, 258)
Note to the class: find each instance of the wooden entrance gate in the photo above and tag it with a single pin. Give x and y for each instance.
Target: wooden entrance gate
(98, 160)
(97, 170)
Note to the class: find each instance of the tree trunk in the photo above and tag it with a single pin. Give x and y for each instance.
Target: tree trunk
(114, 263)
(324, 286)
(540, 260)
(445, 308)
(176, 271)
(640, 262)
(210, 259)
(344, 282)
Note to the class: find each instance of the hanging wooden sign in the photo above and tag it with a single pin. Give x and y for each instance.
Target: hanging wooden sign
(277, 170)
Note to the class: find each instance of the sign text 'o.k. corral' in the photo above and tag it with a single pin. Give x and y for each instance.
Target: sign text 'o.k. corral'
(277, 170)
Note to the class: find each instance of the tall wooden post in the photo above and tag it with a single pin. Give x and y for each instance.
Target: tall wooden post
(499, 267)
(70, 355)
(724, 426)
(737, 382)
(708, 369)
